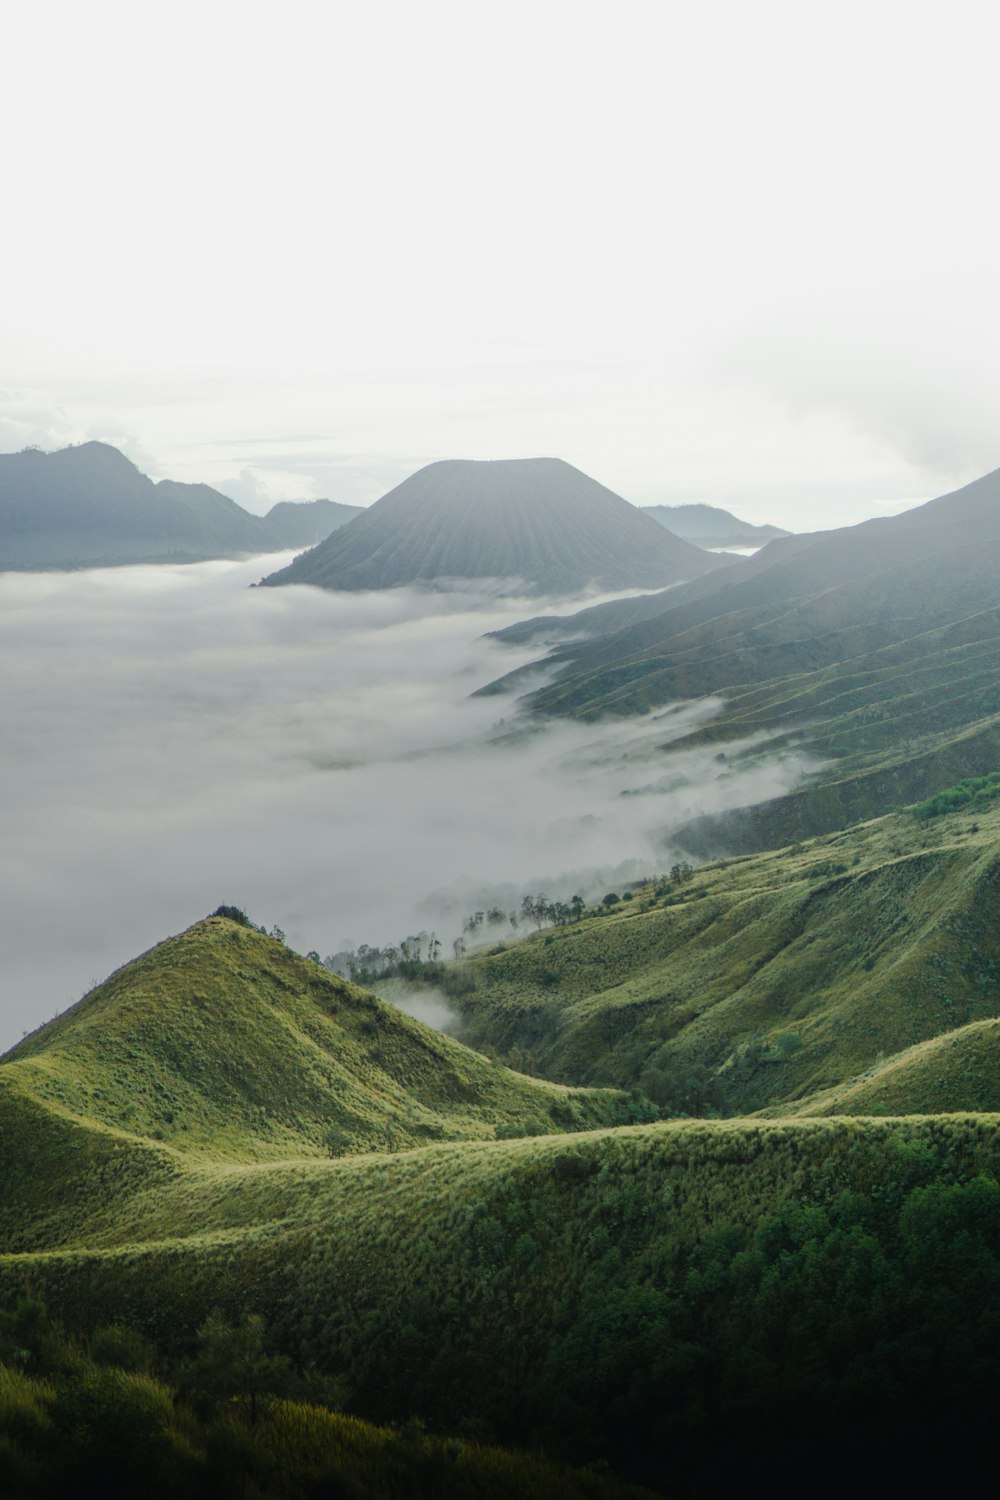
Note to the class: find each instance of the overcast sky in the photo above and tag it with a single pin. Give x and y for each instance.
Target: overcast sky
(726, 252)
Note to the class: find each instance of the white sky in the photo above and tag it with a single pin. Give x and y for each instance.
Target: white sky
(742, 253)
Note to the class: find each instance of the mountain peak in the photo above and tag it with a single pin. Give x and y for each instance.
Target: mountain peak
(537, 521)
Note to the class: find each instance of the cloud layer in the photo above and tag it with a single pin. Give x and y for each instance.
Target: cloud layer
(174, 739)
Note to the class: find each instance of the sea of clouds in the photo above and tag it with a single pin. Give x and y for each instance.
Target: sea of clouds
(173, 739)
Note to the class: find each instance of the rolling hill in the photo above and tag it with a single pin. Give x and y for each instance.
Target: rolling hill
(538, 522)
(760, 982)
(611, 1295)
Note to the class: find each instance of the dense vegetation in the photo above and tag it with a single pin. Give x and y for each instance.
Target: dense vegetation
(694, 1302)
(106, 1416)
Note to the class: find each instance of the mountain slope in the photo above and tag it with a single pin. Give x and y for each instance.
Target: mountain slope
(223, 1042)
(613, 1295)
(873, 648)
(303, 523)
(539, 521)
(235, 527)
(89, 506)
(761, 981)
(711, 526)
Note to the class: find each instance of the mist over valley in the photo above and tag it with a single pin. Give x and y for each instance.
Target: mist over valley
(175, 739)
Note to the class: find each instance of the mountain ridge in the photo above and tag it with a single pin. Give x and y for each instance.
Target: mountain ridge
(91, 506)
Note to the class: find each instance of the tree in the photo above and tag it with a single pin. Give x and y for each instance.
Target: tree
(235, 1361)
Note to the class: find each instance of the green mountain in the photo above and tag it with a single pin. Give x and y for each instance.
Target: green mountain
(711, 526)
(538, 521)
(760, 982)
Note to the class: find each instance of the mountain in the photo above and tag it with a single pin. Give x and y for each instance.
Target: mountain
(710, 526)
(236, 528)
(873, 648)
(303, 523)
(89, 506)
(538, 521)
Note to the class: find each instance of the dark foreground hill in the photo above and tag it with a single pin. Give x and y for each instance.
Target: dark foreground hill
(537, 521)
(699, 1303)
(90, 506)
(711, 526)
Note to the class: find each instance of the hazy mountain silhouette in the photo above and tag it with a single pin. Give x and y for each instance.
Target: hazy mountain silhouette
(303, 523)
(711, 526)
(537, 520)
(89, 506)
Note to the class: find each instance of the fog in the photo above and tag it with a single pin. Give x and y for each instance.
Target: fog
(173, 739)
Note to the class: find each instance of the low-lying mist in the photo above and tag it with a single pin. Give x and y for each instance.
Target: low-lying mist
(173, 740)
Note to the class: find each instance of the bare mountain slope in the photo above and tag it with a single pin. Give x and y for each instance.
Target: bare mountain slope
(537, 520)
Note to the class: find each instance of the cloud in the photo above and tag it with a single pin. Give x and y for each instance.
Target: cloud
(174, 739)
(28, 419)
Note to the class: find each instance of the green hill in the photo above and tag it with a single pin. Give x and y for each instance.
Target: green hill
(686, 1300)
(762, 980)
(222, 1043)
(928, 1079)
(538, 521)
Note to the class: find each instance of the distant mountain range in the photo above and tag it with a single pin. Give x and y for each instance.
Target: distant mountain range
(90, 506)
(538, 521)
(710, 526)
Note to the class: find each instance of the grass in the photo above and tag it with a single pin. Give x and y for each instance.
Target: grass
(612, 1294)
(766, 979)
(222, 1043)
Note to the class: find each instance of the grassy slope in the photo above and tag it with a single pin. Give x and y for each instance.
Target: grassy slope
(507, 1284)
(768, 978)
(222, 1046)
(925, 1079)
(447, 1280)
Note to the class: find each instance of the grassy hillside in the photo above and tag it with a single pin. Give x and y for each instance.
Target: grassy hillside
(594, 1292)
(223, 1043)
(91, 1429)
(926, 1079)
(687, 1300)
(763, 980)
